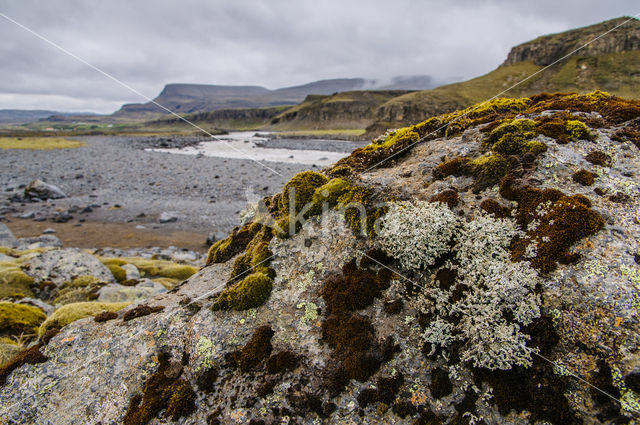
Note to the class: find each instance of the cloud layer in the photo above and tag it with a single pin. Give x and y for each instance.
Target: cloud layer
(273, 43)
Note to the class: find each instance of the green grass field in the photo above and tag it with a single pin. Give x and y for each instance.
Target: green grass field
(39, 143)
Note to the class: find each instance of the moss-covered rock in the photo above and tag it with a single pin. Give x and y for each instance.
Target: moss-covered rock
(71, 312)
(149, 268)
(298, 192)
(8, 349)
(13, 281)
(232, 245)
(251, 292)
(17, 319)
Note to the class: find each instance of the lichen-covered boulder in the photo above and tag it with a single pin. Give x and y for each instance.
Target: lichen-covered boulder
(59, 266)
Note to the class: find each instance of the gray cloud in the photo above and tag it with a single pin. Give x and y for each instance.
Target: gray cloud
(273, 43)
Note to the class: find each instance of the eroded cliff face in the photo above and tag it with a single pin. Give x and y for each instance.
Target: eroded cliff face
(523, 214)
(546, 50)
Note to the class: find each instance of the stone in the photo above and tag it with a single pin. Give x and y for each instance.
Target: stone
(48, 231)
(167, 217)
(63, 265)
(27, 215)
(41, 190)
(44, 241)
(119, 293)
(6, 236)
(132, 271)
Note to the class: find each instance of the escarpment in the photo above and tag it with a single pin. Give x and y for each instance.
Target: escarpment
(464, 269)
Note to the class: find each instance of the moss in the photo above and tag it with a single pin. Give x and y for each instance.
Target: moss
(494, 208)
(577, 130)
(225, 249)
(17, 319)
(385, 391)
(105, 316)
(488, 170)
(357, 354)
(207, 379)
(8, 350)
(440, 383)
(454, 167)
(115, 268)
(281, 362)
(256, 257)
(153, 268)
(627, 134)
(599, 158)
(584, 177)
(71, 312)
(141, 311)
(181, 399)
(511, 137)
(449, 197)
(298, 192)
(535, 147)
(13, 281)
(564, 221)
(329, 194)
(162, 390)
(251, 292)
(257, 349)
(167, 282)
(29, 356)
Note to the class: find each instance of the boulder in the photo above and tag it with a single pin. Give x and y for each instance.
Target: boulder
(41, 190)
(168, 217)
(115, 293)
(63, 265)
(132, 271)
(44, 241)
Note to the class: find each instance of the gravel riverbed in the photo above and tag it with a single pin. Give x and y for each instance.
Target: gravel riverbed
(116, 180)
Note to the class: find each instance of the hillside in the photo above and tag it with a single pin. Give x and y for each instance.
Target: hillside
(456, 271)
(194, 98)
(611, 64)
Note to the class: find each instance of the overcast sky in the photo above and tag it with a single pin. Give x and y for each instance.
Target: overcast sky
(273, 43)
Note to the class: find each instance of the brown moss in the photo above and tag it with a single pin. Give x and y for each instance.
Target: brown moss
(449, 197)
(47, 336)
(440, 383)
(454, 167)
(281, 362)
(393, 307)
(162, 390)
(584, 177)
(567, 220)
(140, 311)
(620, 198)
(627, 134)
(105, 316)
(599, 158)
(207, 379)
(29, 356)
(255, 351)
(495, 208)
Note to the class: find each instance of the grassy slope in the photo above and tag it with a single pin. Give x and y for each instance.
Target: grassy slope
(617, 73)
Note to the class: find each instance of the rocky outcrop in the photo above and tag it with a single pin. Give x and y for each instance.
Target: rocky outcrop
(484, 284)
(550, 48)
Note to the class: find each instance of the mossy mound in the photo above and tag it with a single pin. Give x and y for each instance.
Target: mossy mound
(71, 312)
(251, 292)
(13, 281)
(18, 319)
(234, 244)
(298, 192)
(82, 288)
(149, 268)
(8, 349)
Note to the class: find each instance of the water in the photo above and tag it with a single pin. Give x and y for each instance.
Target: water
(242, 145)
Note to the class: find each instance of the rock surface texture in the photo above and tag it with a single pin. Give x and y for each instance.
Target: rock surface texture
(341, 324)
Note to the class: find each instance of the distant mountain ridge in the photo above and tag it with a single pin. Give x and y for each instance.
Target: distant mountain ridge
(194, 98)
(21, 116)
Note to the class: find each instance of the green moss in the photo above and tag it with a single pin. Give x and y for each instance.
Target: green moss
(117, 271)
(562, 128)
(251, 292)
(535, 147)
(17, 319)
(488, 170)
(256, 257)
(13, 281)
(329, 194)
(298, 192)
(406, 134)
(8, 350)
(225, 249)
(577, 130)
(513, 137)
(524, 127)
(71, 312)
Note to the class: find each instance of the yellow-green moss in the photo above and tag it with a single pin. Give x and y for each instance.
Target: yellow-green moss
(577, 130)
(536, 147)
(82, 281)
(234, 244)
(329, 194)
(8, 350)
(13, 281)
(488, 170)
(71, 312)
(149, 268)
(405, 134)
(16, 319)
(256, 257)
(303, 185)
(251, 292)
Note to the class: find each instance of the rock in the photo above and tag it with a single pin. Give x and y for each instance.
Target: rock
(41, 190)
(632, 380)
(48, 231)
(63, 265)
(44, 241)
(27, 215)
(119, 293)
(168, 217)
(47, 308)
(6, 236)
(62, 217)
(132, 271)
